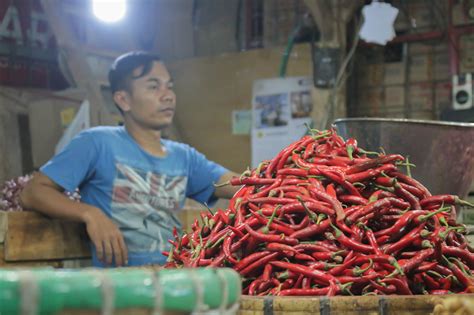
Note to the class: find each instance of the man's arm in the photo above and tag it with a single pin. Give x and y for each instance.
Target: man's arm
(227, 191)
(45, 196)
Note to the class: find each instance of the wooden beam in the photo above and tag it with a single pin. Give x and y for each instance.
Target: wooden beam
(323, 17)
(76, 60)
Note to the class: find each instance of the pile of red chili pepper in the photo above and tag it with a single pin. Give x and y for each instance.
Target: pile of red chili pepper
(325, 217)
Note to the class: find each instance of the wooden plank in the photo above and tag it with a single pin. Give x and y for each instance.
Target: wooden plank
(27, 264)
(3, 226)
(31, 236)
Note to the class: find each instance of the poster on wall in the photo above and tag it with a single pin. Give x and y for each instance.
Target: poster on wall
(280, 109)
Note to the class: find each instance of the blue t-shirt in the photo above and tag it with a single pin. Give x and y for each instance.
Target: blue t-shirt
(140, 192)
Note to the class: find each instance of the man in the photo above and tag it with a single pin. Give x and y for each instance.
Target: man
(132, 181)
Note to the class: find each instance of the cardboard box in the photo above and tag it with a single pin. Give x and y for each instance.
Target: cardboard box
(420, 68)
(371, 75)
(394, 73)
(443, 96)
(394, 96)
(441, 67)
(420, 96)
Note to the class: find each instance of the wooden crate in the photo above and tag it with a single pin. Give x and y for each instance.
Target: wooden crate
(31, 239)
(348, 305)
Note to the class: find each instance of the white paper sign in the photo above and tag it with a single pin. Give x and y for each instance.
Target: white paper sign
(280, 109)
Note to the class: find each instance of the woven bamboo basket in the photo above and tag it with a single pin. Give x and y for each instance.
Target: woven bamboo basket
(347, 305)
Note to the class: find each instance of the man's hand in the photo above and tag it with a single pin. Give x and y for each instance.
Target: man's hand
(107, 238)
(228, 191)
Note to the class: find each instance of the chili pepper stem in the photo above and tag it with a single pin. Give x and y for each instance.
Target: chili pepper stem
(368, 152)
(425, 217)
(359, 272)
(311, 214)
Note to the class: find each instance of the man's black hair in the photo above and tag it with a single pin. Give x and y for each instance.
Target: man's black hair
(121, 71)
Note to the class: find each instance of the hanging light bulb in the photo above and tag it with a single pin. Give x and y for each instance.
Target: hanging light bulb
(109, 10)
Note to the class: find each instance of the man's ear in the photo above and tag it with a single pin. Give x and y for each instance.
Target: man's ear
(122, 99)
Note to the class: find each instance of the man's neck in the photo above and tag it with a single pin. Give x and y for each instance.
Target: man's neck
(148, 139)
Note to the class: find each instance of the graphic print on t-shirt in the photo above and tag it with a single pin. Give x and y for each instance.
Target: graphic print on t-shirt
(144, 204)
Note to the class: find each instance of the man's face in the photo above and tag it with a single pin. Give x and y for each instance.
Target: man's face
(152, 99)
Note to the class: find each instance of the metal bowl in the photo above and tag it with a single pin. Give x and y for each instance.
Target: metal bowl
(442, 151)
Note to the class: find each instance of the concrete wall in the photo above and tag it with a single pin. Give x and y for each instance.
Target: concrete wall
(209, 89)
(11, 104)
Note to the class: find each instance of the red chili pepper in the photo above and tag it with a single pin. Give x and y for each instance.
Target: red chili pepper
(271, 200)
(303, 223)
(254, 285)
(350, 243)
(218, 261)
(279, 161)
(373, 242)
(237, 181)
(318, 276)
(338, 177)
(297, 207)
(413, 182)
(369, 208)
(271, 238)
(431, 283)
(353, 200)
(405, 240)
(414, 262)
(263, 192)
(330, 190)
(250, 259)
(312, 248)
(304, 257)
(400, 283)
(385, 181)
(335, 204)
(258, 264)
(328, 256)
(418, 193)
(374, 162)
(358, 280)
(336, 271)
(279, 247)
(401, 223)
(277, 227)
(446, 199)
(464, 254)
(465, 280)
(311, 230)
(309, 150)
(267, 272)
(299, 281)
(227, 249)
(402, 192)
